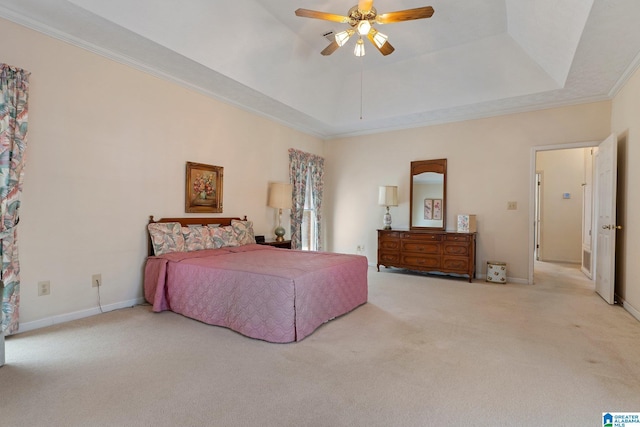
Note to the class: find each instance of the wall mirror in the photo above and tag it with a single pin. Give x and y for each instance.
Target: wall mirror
(428, 199)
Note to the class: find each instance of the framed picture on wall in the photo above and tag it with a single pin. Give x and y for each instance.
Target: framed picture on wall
(437, 209)
(203, 191)
(428, 208)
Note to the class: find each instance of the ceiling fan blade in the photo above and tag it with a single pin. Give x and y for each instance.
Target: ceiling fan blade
(405, 15)
(385, 49)
(306, 13)
(333, 46)
(365, 6)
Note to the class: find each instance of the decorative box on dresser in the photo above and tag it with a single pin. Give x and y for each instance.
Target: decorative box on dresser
(429, 251)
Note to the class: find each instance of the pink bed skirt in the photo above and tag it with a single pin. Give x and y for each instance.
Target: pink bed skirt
(276, 295)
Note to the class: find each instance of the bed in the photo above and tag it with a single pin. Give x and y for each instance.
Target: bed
(268, 293)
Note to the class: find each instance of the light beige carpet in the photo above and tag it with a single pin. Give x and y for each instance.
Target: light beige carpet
(423, 352)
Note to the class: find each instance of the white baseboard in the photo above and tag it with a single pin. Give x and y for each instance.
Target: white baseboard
(631, 309)
(61, 318)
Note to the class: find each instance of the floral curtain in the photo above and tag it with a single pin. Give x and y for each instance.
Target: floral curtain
(14, 86)
(301, 165)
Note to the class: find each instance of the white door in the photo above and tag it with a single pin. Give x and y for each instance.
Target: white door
(587, 214)
(538, 221)
(606, 174)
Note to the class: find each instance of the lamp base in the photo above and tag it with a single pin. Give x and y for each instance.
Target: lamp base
(279, 232)
(386, 220)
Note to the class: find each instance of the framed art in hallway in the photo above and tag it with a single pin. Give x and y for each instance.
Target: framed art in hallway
(203, 188)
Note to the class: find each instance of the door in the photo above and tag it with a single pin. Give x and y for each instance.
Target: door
(587, 214)
(606, 175)
(538, 220)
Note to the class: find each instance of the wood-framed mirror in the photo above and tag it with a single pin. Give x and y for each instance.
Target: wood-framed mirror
(428, 195)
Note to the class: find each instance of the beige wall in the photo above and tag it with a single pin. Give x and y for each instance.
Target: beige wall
(107, 147)
(561, 219)
(488, 162)
(626, 124)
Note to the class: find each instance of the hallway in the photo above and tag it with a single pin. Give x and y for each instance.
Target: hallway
(558, 275)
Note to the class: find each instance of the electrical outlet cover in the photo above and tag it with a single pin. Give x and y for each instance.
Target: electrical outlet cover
(96, 280)
(44, 288)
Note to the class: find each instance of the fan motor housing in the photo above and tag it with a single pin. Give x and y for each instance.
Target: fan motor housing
(357, 16)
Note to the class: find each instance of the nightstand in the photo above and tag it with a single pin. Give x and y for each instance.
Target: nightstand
(285, 244)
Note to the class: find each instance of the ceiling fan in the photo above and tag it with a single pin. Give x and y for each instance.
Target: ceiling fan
(361, 19)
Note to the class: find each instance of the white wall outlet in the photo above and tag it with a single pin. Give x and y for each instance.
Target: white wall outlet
(512, 206)
(44, 288)
(96, 280)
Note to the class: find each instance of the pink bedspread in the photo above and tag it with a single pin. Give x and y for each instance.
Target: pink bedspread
(276, 295)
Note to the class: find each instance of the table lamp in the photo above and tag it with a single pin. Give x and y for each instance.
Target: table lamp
(280, 194)
(387, 196)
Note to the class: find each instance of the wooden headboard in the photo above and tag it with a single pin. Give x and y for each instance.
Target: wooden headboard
(189, 221)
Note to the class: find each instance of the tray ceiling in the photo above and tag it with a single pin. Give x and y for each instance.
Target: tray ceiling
(472, 59)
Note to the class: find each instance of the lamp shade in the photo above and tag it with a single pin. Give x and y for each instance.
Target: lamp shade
(343, 36)
(388, 195)
(280, 194)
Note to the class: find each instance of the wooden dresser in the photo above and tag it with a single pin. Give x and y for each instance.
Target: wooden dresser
(428, 251)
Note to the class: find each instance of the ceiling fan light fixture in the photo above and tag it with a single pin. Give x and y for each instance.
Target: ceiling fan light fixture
(361, 18)
(343, 36)
(364, 27)
(359, 50)
(378, 38)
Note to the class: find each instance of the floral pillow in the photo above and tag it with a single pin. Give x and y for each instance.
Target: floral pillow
(223, 237)
(195, 237)
(166, 237)
(244, 231)
(209, 244)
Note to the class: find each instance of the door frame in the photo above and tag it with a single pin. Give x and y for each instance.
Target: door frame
(532, 191)
(537, 215)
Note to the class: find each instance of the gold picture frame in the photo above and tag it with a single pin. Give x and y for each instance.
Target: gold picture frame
(203, 189)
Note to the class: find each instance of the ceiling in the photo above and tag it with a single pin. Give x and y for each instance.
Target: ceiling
(472, 59)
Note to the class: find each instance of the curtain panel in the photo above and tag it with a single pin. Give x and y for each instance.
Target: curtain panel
(14, 86)
(301, 166)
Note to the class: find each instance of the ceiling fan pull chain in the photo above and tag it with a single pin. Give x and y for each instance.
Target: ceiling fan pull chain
(361, 85)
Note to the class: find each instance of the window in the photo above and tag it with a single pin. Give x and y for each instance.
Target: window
(309, 221)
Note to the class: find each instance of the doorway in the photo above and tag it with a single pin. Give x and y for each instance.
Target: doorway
(561, 207)
(538, 212)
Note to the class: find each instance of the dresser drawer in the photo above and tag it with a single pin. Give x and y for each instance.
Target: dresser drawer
(420, 247)
(385, 258)
(389, 244)
(384, 234)
(455, 264)
(461, 249)
(418, 261)
(453, 237)
(426, 237)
